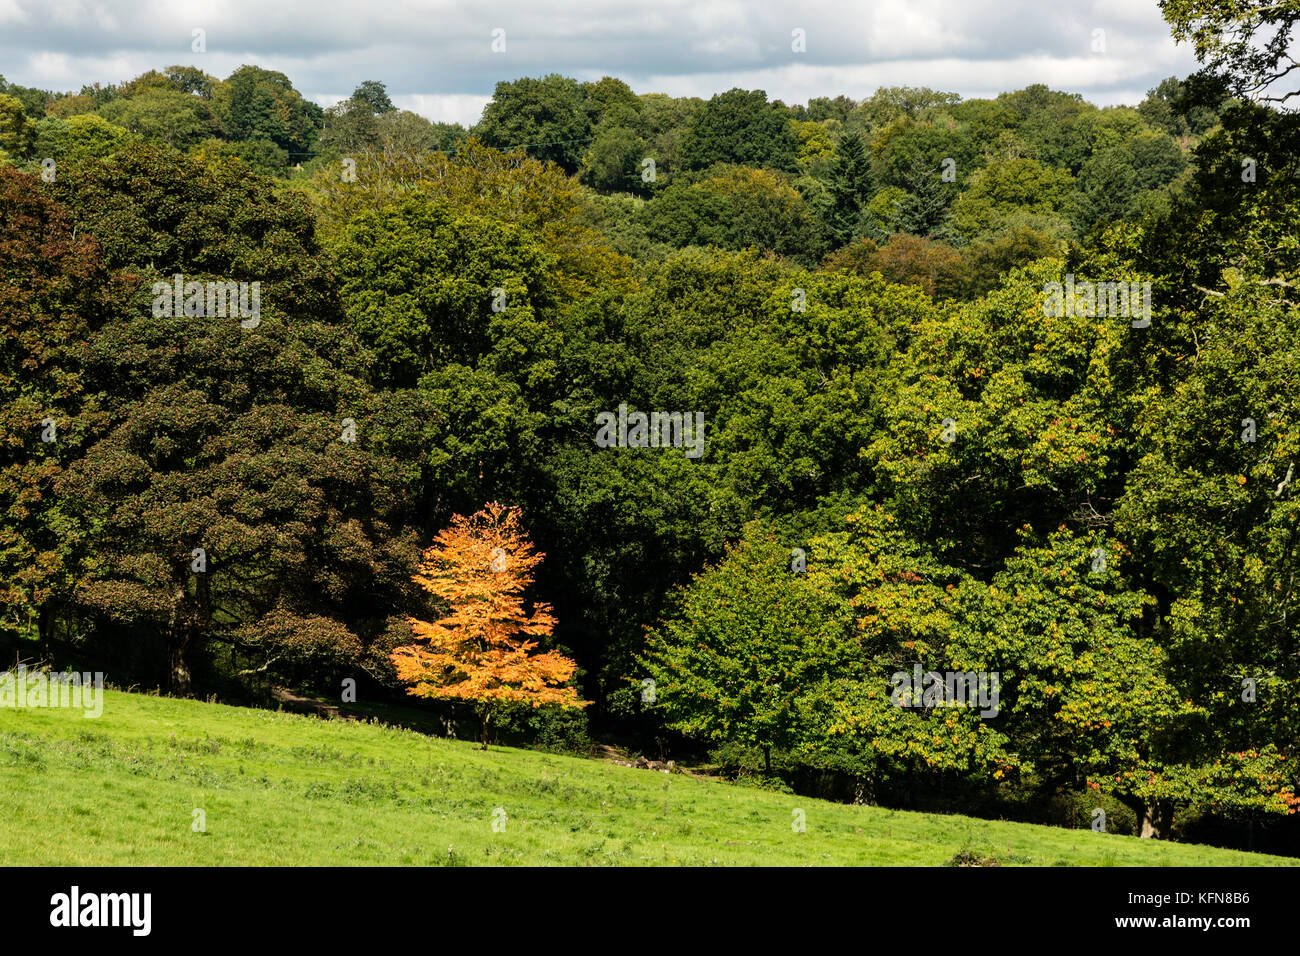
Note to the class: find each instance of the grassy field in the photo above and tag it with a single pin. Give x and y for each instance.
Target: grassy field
(278, 788)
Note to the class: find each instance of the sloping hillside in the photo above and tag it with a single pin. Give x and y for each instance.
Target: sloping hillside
(277, 788)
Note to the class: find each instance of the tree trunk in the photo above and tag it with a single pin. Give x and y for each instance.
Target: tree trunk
(1159, 820)
(1149, 823)
(485, 716)
(45, 628)
(767, 760)
(1154, 818)
(179, 675)
(178, 636)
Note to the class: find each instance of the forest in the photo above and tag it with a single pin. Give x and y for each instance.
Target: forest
(776, 409)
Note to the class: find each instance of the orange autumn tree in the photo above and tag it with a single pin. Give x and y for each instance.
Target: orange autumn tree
(481, 651)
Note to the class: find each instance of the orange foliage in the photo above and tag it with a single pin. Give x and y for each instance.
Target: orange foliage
(481, 651)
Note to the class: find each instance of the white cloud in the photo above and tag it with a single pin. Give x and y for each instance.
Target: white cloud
(463, 108)
(11, 11)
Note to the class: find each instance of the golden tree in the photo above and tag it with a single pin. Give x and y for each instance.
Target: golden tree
(485, 650)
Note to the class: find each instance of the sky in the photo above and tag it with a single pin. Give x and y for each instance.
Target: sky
(437, 57)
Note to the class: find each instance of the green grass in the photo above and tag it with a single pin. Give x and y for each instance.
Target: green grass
(283, 789)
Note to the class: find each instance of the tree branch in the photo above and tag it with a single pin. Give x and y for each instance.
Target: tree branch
(1290, 473)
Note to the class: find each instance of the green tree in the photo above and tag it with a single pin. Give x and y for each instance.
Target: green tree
(419, 279)
(374, 95)
(909, 611)
(1106, 188)
(253, 103)
(850, 186)
(890, 103)
(503, 187)
(177, 119)
(1012, 186)
(91, 136)
(1004, 416)
(735, 207)
(1052, 124)
(190, 79)
(742, 127)
(1178, 107)
(824, 108)
(612, 162)
(260, 154)
(547, 117)
(750, 638)
(460, 308)
(1088, 694)
(610, 98)
(925, 208)
(402, 131)
(34, 102)
(54, 296)
(1221, 221)
(985, 262)
(350, 127)
(662, 123)
(99, 94)
(227, 438)
(72, 105)
(17, 133)
(80, 137)
(1222, 441)
(935, 147)
(151, 81)
(1247, 44)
